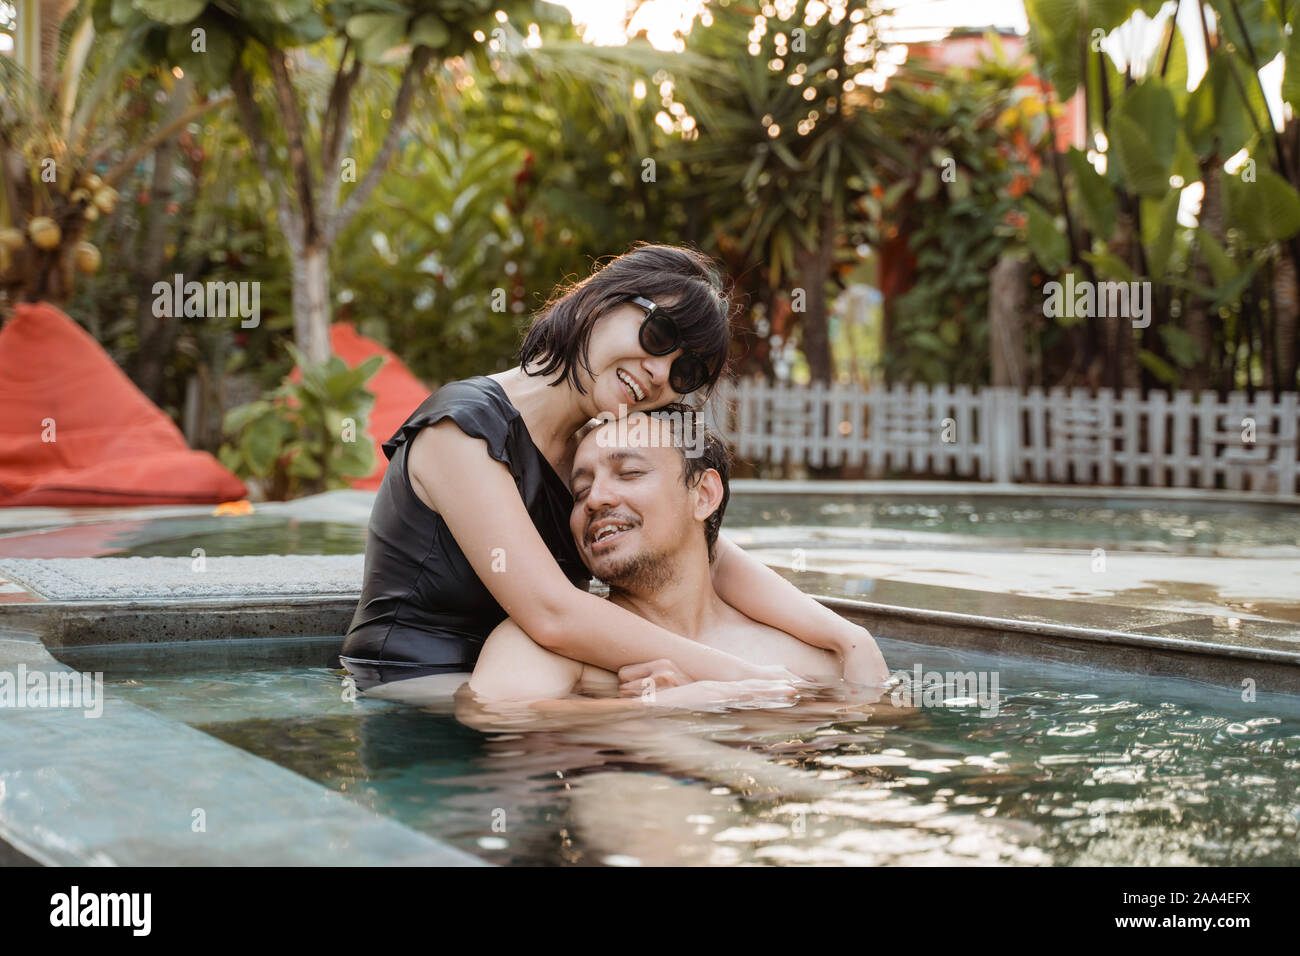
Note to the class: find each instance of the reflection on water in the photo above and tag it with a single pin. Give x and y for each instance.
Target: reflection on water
(1190, 527)
(247, 535)
(1193, 527)
(177, 537)
(1076, 767)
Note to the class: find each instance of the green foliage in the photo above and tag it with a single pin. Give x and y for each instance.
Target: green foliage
(380, 29)
(508, 183)
(1046, 238)
(307, 436)
(971, 138)
(1097, 195)
(1268, 208)
(434, 267)
(1209, 280)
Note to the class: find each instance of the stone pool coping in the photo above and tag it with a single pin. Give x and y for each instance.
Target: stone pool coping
(961, 489)
(121, 790)
(1271, 669)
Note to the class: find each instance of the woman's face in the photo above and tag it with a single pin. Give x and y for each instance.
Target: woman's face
(622, 372)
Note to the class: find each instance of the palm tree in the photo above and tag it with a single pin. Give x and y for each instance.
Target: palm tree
(65, 141)
(786, 116)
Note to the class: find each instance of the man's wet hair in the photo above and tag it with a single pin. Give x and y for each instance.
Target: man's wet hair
(715, 455)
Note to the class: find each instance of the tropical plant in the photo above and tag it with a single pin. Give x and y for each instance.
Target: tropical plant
(308, 435)
(784, 138)
(972, 138)
(294, 67)
(71, 128)
(194, 209)
(521, 175)
(1225, 296)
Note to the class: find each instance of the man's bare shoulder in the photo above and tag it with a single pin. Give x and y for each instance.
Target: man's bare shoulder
(760, 643)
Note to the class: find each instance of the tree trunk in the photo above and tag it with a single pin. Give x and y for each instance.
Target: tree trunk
(311, 302)
(156, 335)
(1007, 292)
(1121, 352)
(1286, 306)
(813, 267)
(1199, 321)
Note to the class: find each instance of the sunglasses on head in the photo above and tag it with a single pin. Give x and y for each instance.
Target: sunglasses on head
(660, 334)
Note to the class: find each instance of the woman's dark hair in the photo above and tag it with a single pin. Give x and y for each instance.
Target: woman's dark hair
(686, 282)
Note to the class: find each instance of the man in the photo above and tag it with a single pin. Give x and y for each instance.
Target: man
(646, 517)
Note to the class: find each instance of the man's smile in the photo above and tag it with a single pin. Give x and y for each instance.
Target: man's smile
(604, 534)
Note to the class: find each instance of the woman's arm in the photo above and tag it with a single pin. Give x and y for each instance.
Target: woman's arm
(757, 591)
(477, 497)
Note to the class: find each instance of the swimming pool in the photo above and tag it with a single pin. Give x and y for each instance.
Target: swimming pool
(1182, 527)
(784, 519)
(178, 537)
(1077, 766)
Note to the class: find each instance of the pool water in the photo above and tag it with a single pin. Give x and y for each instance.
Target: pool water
(786, 520)
(177, 537)
(1191, 527)
(271, 536)
(1078, 766)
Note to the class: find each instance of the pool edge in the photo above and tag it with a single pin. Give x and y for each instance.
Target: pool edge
(76, 624)
(118, 791)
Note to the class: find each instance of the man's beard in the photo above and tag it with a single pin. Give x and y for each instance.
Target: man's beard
(640, 573)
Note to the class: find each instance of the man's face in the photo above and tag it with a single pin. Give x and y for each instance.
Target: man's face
(632, 511)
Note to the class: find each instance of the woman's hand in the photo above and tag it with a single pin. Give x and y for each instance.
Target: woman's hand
(770, 672)
(638, 679)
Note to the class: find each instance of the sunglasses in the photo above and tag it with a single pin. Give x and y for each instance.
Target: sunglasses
(660, 334)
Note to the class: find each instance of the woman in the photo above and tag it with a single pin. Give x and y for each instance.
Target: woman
(471, 523)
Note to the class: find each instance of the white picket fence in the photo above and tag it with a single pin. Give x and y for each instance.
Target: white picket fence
(1184, 440)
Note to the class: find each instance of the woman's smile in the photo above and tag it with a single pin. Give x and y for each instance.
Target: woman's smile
(635, 390)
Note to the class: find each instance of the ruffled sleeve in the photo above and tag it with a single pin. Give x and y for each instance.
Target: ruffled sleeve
(474, 407)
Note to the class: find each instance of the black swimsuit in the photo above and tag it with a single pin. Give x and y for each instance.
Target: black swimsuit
(423, 610)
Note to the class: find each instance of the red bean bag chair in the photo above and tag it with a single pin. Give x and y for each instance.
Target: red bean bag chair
(111, 445)
(397, 392)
